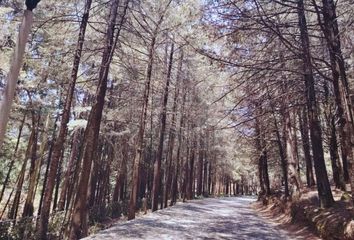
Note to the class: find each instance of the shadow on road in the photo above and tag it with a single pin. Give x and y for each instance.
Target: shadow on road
(214, 218)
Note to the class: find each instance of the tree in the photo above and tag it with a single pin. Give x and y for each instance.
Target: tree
(60, 140)
(79, 219)
(323, 187)
(16, 64)
(157, 168)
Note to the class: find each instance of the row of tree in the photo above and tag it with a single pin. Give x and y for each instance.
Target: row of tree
(113, 106)
(293, 64)
(140, 103)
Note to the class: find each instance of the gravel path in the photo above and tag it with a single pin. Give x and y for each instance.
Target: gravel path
(211, 218)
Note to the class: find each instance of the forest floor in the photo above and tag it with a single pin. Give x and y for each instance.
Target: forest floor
(283, 220)
(304, 215)
(210, 218)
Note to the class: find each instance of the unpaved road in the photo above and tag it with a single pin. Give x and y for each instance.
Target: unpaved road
(212, 218)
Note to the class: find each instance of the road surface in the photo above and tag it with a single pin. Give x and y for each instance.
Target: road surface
(211, 218)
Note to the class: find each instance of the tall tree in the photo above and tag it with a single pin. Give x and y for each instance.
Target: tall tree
(323, 186)
(143, 115)
(60, 140)
(79, 216)
(163, 115)
(16, 64)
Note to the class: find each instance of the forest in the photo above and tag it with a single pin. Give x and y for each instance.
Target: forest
(111, 108)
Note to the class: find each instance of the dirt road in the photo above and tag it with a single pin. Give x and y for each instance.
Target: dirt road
(212, 218)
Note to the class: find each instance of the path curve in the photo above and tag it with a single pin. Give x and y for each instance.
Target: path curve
(211, 218)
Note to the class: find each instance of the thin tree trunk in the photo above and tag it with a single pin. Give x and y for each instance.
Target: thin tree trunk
(7, 178)
(34, 176)
(69, 170)
(12, 214)
(121, 173)
(12, 77)
(143, 117)
(205, 170)
(292, 155)
(171, 171)
(57, 182)
(333, 150)
(284, 164)
(190, 162)
(260, 158)
(178, 154)
(163, 116)
(50, 151)
(200, 167)
(306, 147)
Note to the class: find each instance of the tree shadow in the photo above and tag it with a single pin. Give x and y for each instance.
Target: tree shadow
(221, 218)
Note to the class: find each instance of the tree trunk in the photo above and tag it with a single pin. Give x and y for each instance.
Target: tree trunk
(121, 173)
(69, 169)
(333, 150)
(179, 148)
(34, 176)
(190, 182)
(7, 178)
(57, 182)
(50, 151)
(292, 155)
(260, 158)
(59, 142)
(323, 186)
(306, 147)
(140, 138)
(12, 77)
(200, 167)
(79, 216)
(342, 91)
(15, 203)
(172, 168)
(163, 116)
(205, 171)
(284, 164)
